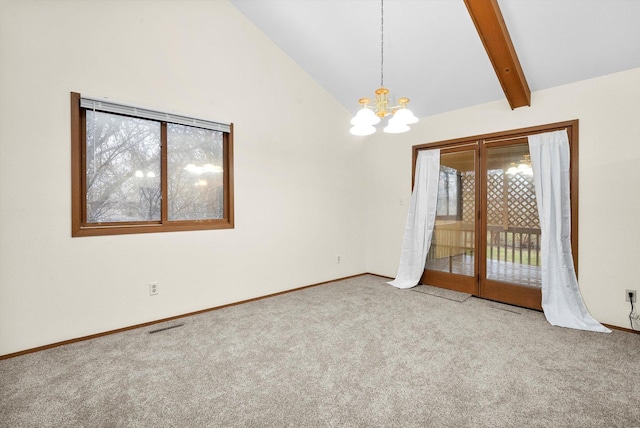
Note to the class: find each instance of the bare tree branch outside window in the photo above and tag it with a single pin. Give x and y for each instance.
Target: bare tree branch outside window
(123, 168)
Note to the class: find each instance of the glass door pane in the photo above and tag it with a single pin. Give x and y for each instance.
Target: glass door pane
(512, 223)
(453, 242)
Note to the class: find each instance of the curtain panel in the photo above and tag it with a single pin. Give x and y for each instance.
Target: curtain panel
(561, 299)
(420, 220)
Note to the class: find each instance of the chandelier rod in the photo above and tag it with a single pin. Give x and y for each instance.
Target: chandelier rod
(381, 43)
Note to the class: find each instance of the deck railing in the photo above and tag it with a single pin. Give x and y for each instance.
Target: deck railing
(515, 244)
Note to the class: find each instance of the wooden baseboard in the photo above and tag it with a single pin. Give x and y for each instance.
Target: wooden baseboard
(378, 275)
(615, 327)
(146, 324)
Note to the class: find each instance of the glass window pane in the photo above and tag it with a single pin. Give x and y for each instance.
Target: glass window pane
(453, 242)
(122, 168)
(513, 226)
(195, 173)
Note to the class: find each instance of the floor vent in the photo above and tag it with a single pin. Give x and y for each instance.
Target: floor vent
(166, 328)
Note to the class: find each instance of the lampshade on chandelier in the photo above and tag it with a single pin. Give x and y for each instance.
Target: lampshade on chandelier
(370, 115)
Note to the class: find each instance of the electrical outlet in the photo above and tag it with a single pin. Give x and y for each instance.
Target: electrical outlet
(633, 295)
(153, 289)
(338, 260)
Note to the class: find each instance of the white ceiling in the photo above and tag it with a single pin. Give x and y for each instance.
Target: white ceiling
(432, 52)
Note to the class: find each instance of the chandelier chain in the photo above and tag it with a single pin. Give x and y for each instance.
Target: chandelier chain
(381, 43)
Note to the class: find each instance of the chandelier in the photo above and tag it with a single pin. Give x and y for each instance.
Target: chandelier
(370, 115)
(523, 168)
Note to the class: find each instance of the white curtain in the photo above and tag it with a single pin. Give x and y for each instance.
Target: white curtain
(420, 220)
(561, 300)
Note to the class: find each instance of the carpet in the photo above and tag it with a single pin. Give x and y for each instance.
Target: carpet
(352, 353)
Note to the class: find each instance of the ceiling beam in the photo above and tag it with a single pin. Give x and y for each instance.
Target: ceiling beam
(495, 37)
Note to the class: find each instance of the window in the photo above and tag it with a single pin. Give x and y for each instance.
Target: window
(137, 170)
(449, 194)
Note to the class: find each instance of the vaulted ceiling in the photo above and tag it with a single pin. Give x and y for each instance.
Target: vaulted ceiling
(433, 53)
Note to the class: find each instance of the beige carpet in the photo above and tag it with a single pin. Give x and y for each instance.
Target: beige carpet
(354, 353)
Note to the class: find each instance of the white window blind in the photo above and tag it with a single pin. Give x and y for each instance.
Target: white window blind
(118, 108)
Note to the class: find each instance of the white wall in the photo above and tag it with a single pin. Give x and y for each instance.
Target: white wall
(299, 176)
(608, 109)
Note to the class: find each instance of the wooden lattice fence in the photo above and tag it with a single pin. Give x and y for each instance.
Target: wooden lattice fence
(513, 226)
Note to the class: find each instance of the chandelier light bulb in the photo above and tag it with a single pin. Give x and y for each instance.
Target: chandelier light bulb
(406, 116)
(396, 127)
(365, 116)
(403, 114)
(512, 169)
(524, 167)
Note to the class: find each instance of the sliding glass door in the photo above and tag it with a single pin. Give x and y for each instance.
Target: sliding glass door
(487, 238)
(510, 227)
(452, 259)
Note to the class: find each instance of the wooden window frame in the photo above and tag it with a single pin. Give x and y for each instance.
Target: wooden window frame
(79, 224)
